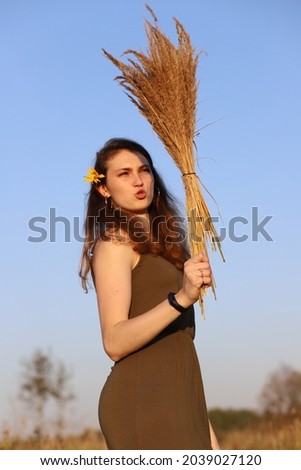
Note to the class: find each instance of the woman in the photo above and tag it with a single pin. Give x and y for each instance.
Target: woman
(146, 286)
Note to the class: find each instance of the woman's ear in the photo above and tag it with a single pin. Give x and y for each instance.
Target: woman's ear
(103, 191)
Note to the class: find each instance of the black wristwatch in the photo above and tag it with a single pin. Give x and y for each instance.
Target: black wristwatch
(174, 303)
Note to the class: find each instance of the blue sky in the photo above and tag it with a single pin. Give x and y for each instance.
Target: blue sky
(59, 104)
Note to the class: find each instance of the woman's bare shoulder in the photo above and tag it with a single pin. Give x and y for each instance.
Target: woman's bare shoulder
(113, 251)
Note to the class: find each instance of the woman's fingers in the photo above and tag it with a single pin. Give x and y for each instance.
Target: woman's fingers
(199, 257)
(200, 267)
(197, 275)
(198, 271)
(192, 266)
(206, 279)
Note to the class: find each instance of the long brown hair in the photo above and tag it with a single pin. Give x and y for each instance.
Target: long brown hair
(166, 237)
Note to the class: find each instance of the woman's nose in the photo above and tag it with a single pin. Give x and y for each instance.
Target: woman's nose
(137, 181)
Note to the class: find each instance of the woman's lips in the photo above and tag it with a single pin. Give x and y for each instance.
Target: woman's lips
(140, 194)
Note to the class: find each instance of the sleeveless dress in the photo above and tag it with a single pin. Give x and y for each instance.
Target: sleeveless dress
(154, 397)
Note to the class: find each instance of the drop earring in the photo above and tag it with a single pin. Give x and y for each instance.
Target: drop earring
(108, 202)
(157, 198)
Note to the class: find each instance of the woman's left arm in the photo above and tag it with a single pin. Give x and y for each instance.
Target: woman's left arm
(213, 438)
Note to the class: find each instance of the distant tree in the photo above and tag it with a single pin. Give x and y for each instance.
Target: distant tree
(281, 394)
(62, 395)
(36, 386)
(224, 420)
(44, 380)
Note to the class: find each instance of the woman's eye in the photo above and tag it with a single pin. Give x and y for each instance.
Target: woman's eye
(146, 169)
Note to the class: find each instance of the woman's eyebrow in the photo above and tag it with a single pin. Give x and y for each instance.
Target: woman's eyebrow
(130, 168)
(123, 169)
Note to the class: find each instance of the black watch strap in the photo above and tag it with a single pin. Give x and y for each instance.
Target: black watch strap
(174, 303)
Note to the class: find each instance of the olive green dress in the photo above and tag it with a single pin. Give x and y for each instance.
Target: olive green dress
(154, 398)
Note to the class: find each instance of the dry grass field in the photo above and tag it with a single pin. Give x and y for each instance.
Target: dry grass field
(263, 435)
(88, 440)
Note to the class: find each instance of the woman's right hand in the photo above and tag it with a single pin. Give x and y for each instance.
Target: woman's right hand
(197, 275)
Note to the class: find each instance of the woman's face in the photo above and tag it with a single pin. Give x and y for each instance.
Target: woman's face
(129, 182)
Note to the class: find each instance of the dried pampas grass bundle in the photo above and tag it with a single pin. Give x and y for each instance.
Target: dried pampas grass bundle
(163, 86)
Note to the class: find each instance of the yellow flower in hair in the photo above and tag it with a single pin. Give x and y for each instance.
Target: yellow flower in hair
(93, 176)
